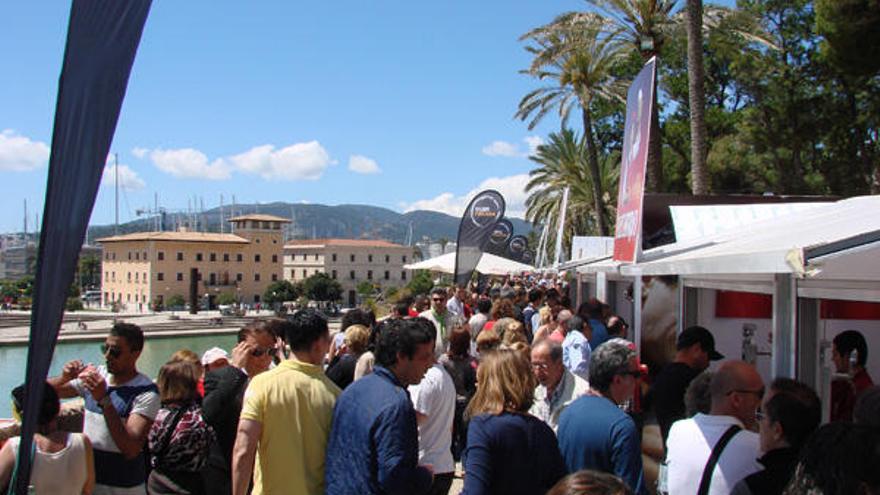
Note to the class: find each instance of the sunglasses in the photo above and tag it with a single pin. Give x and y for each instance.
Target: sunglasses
(260, 352)
(112, 351)
(632, 373)
(438, 299)
(757, 393)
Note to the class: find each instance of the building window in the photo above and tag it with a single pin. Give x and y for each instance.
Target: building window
(305, 274)
(144, 277)
(145, 256)
(161, 256)
(107, 257)
(129, 255)
(316, 256)
(304, 256)
(179, 256)
(238, 257)
(113, 276)
(256, 258)
(334, 275)
(334, 257)
(387, 258)
(351, 274)
(256, 298)
(239, 277)
(198, 256)
(160, 276)
(387, 275)
(179, 277)
(369, 258)
(114, 256)
(212, 279)
(274, 277)
(404, 258)
(351, 258)
(256, 277)
(129, 276)
(137, 255)
(403, 275)
(274, 258)
(213, 257)
(106, 275)
(369, 274)
(199, 276)
(225, 257)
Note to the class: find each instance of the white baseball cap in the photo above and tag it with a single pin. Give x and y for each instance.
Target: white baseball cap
(213, 355)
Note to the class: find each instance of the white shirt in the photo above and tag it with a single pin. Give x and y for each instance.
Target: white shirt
(455, 306)
(689, 445)
(435, 398)
(443, 328)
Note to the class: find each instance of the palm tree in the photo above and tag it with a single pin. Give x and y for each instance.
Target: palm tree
(571, 53)
(562, 163)
(697, 97)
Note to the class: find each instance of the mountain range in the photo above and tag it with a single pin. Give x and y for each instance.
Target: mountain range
(317, 221)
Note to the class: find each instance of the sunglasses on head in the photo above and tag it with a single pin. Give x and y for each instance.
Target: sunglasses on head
(112, 351)
(258, 352)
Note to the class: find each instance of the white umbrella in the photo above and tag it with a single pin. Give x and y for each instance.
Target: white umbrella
(489, 265)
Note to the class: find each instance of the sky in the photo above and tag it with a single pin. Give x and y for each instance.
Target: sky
(401, 104)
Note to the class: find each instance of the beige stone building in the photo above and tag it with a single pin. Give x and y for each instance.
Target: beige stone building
(350, 262)
(150, 267)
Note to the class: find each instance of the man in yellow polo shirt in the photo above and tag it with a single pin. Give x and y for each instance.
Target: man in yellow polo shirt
(286, 416)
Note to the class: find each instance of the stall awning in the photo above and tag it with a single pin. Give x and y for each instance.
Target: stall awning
(832, 237)
(489, 265)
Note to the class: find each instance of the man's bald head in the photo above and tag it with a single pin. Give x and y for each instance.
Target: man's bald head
(736, 390)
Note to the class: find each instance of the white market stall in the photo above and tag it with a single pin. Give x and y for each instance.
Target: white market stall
(489, 264)
(831, 251)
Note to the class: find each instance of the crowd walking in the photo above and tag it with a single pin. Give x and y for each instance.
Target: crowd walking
(509, 387)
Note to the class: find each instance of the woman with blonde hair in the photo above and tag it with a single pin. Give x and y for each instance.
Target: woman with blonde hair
(354, 344)
(508, 450)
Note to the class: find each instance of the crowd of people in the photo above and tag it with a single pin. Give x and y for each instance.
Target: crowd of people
(530, 394)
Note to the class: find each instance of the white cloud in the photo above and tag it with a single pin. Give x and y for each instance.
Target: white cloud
(511, 187)
(533, 142)
(501, 148)
(300, 161)
(189, 163)
(20, 154)
(139, 152)
(363, 165)
(128, 178)
(511, 150)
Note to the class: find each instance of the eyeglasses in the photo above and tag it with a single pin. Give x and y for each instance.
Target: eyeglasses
(438, 299)
(258, 352)
(540, 366)
(113, 351)
(757, 393)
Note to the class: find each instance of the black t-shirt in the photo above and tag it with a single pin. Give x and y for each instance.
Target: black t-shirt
(667, 394)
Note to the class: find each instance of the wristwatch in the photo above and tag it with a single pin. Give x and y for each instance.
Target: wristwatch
(104, 402)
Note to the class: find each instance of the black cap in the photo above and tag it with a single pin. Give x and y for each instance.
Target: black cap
(699, 335)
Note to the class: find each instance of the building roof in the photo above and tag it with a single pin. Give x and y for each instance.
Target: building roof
(374, 243)
(177, 237)
(259, 218)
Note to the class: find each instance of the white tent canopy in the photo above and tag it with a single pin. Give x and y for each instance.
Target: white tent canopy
(489, 265)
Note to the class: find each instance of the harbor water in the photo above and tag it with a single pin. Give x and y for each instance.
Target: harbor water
(157, 350)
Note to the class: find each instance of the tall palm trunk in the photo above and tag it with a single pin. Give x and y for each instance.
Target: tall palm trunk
(595, 177)
(697, 97)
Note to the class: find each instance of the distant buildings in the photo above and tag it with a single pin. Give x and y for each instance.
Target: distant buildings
(151, 267)
(17, 256)
(349, 261)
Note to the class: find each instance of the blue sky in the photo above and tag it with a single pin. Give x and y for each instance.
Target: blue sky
(390, 103)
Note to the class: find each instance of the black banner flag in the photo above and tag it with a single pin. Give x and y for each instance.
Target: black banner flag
(499, 237)
(477, 224)
(102, 39)
(517, 247)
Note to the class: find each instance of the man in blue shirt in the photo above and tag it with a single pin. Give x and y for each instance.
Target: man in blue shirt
(576, 347)
(591, 311)
(594, 433)
(374, 439)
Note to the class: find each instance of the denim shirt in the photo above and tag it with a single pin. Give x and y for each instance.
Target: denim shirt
(374, 440)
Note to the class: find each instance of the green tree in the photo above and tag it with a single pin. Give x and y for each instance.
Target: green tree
(280, 291)
(421, 282)
(571, 53)
(851, 32)
(226, 298)
(89, 270)
(176, 301)
(562, 163)
(320, 287)
(365, 288)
